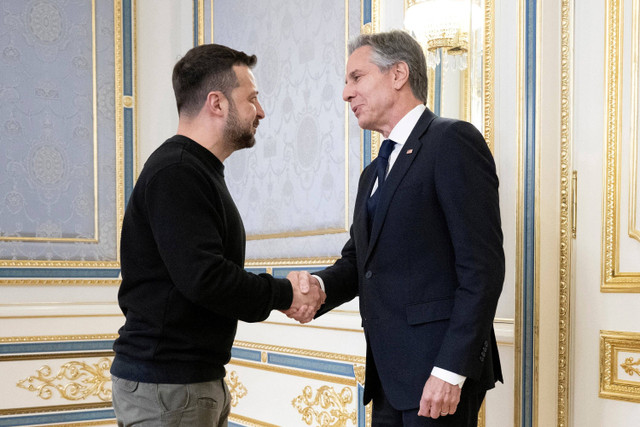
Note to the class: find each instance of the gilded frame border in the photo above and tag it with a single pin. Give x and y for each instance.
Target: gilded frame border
(613, 280)
(94, 108)
(70, 272)
(567, 221)
(612, 387)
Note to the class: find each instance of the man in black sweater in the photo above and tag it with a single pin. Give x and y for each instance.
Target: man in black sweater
(182, 251)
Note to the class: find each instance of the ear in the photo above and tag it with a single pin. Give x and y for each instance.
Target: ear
(216, 103)
(400, 73)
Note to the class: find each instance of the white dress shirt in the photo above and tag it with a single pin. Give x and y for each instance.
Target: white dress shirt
(399, 134)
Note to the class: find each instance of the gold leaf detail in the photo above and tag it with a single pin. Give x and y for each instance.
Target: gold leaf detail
(85, 380)
(332, 411)
(359, 373)
(237, 390)
(629, 366)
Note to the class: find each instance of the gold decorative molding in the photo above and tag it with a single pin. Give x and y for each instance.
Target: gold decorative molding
(249, 422)
(517, 374)
(374, 25)
(359, 372)
(50, 356)
(200, 22)
(289, 262)
(302, 233)
(119, 114)
(629, 366)
(431, 85)
(614, 280)
(488, 71)
(75, 380)
(237, 390)
(327, 408)
(312, 326)
(10, 263)
(619, 355)
(566, 220)
(301, 352)
(375, 144)
(482, 414)
(634, 233)
(51, 338)
(60, 282)
(55, 408)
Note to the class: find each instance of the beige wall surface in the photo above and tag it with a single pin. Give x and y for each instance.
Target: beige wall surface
(588, 350)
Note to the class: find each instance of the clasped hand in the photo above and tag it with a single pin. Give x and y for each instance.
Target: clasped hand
(307, 296)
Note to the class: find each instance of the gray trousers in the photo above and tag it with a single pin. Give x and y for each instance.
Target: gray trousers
(170, 405)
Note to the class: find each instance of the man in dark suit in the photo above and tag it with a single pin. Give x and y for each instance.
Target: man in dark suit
(425, 254)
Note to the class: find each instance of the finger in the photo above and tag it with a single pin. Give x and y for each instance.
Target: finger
(289, 312)
(293, 277)
(308, 314)
(435, 412)
(303, 282)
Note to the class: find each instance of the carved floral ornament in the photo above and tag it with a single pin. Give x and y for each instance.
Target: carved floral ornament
(74, 381)
(327, 408)
(237, 390)
(631, 367)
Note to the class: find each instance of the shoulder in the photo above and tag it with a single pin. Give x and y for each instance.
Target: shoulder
(454, 128)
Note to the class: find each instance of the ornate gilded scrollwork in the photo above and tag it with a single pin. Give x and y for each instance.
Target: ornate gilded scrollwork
(630, 367)
(333, 411)
(359, 373)
(237, 390)
(86, 380)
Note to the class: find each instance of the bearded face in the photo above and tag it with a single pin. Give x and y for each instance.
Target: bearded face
(239, 134)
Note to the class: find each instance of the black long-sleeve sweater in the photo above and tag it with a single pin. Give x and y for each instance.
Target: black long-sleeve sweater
(183, 283)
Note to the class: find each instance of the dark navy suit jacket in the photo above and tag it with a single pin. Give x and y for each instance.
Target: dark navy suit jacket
(430, 273)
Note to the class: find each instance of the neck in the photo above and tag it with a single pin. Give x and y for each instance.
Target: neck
(205, 133)
(397, 112)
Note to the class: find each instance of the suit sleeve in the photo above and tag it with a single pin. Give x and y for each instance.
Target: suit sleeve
(341, 279)
(467, 189)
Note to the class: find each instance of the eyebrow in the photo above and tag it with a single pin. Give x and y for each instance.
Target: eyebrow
(352, 74)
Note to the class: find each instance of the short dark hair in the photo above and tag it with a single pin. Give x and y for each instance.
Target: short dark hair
(392, 47)
(203, 69)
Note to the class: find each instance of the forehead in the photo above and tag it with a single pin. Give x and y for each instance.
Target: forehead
(246, 79)
(359, 58)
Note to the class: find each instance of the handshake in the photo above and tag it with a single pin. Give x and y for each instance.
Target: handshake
(307, 296)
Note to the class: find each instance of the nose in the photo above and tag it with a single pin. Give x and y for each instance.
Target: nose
(347, 92)
(259, 111)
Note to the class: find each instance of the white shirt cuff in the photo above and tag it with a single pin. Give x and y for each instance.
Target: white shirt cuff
(319, 281)
(448, 376)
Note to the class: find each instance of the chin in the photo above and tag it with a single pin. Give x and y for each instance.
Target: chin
(364, 124)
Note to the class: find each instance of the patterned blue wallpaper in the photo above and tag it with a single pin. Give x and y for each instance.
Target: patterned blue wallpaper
(295, 177)
(58, 144)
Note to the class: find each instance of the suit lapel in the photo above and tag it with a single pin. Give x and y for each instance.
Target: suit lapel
(398, 171)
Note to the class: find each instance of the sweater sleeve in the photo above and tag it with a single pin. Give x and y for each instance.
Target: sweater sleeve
(188, 224)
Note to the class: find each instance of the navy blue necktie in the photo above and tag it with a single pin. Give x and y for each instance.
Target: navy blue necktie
(381, 170)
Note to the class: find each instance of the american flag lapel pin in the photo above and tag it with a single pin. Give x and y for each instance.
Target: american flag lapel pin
(410, 150)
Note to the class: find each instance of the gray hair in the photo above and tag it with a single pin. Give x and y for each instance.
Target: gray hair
(392, 47)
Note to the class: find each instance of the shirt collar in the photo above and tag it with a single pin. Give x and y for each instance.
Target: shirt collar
(401, 131)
